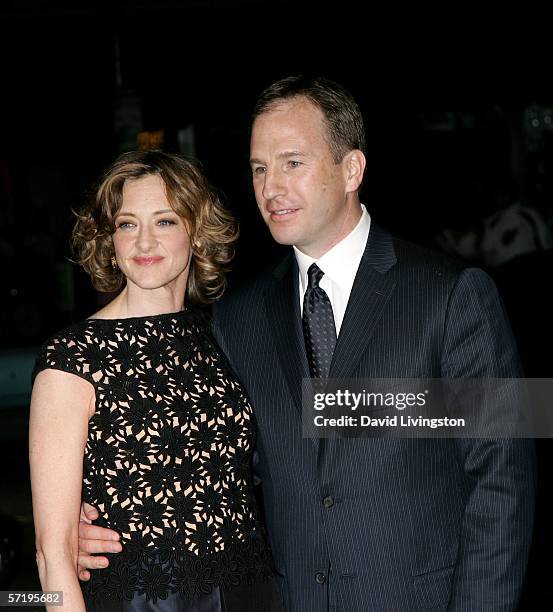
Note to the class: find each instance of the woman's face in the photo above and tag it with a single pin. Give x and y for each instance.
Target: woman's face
(152, 246)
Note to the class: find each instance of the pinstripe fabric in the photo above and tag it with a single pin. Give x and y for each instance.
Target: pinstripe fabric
(416, 525)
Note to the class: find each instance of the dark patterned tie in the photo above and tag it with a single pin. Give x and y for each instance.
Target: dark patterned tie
(319, 330)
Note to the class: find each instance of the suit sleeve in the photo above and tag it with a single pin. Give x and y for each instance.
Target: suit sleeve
(500, 473)
(218, 335)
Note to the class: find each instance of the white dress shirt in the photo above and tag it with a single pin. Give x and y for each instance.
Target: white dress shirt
(339, 265)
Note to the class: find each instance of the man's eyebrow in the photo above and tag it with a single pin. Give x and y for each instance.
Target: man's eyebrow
(283, 155)
(286, 154)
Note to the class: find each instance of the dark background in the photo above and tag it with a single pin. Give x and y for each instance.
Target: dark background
(448, 102)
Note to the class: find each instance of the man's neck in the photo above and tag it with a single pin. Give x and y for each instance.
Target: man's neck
(348, 225)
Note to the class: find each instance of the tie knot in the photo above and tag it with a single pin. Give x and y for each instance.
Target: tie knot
(314, 275)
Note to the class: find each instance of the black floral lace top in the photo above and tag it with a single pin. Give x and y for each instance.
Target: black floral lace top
(168, 456)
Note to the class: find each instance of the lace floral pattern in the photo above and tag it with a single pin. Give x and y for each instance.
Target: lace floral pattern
(168, 456)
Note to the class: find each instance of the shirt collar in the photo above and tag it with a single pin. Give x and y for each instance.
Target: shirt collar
(340, 263)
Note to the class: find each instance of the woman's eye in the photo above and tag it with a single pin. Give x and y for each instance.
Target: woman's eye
(166, 222)
(125, 225)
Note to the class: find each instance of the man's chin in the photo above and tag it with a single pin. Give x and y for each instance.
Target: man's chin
(281, 234)
(282, 239)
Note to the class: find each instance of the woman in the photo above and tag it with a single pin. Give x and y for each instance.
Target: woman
(138, 408)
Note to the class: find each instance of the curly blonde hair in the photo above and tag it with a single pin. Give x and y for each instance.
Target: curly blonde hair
(212, 229)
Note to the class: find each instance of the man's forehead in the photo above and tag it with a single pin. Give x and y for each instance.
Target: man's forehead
(283, 144)
(294, 124)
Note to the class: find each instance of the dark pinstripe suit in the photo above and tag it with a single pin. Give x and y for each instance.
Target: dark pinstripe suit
(413, 525)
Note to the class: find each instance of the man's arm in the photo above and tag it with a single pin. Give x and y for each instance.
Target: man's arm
(94, 540)
(500, 473)
(221, 341)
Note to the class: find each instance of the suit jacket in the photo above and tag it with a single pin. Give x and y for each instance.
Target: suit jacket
(385, 525)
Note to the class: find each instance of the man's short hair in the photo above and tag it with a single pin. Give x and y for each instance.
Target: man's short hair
(340, 110)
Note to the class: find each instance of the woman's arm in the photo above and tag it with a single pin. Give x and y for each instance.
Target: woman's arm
(61, 406)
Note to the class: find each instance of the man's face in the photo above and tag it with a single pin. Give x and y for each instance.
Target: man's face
(301, 192)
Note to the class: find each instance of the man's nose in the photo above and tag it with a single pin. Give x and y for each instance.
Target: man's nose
(273, 184)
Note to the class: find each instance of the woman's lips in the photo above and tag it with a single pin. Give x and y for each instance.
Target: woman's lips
(147, 261)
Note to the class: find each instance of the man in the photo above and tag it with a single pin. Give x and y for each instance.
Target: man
(358, 525)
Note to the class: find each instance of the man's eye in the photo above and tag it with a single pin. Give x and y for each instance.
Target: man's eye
(259, 170)
(294, 163)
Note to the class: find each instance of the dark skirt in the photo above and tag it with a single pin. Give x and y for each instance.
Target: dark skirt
(258, 597)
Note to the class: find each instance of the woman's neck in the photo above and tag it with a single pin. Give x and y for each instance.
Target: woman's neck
(136, 302)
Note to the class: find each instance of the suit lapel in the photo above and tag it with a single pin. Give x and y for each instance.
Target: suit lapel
(371, 291)
(283, 313)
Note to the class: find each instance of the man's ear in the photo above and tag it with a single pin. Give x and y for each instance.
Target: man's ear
(354, 164)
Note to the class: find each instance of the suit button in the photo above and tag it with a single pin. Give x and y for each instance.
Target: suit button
(320, 578)
(328, 501)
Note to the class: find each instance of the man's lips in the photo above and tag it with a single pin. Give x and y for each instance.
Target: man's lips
(147, 261)
(282, 214)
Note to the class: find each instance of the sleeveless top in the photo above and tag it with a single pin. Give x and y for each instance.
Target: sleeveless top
(167, 461)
